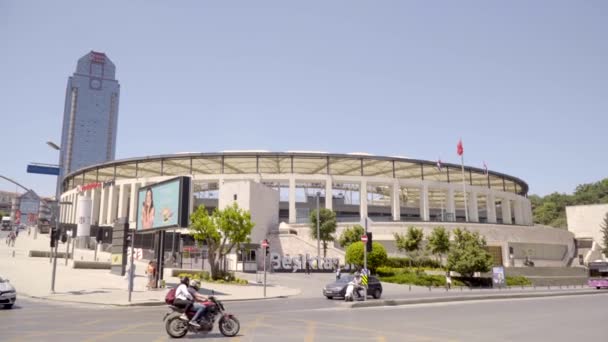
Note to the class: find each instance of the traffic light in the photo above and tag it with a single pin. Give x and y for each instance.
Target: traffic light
(368, 245)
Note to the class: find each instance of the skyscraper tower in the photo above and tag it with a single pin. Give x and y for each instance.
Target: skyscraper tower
(90, 116)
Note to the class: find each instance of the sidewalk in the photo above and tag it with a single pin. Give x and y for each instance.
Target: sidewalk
(32, 278)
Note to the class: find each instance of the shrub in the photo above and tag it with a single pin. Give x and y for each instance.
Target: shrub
(384, 271)
(415, 277)
(405, 262)
(376, 258)
(518, 281)
(229, 278)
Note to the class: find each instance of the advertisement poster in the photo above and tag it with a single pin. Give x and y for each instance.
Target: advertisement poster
(159, 206)
(498, 276)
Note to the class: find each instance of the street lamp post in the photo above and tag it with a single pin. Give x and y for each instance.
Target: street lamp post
(57, 214)
(318, 231)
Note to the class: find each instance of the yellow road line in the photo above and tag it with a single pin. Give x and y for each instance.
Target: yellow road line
(255, 325)
(311, 331)
(126, 329)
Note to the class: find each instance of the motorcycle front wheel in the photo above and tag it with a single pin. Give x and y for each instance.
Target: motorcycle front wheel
(176, 327)
(229, 326)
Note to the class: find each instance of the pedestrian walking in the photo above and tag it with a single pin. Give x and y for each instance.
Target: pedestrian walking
(338, 272)
(448, 280)
(151, 273)
(307, 266)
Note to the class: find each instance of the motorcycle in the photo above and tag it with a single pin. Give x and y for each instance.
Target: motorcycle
(177, 327)
(352, 292)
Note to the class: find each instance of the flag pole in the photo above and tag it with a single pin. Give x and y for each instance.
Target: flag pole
(464, 190)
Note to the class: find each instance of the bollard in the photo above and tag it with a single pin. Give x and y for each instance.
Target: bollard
(13, 253)
(410, 288)
(429, 289)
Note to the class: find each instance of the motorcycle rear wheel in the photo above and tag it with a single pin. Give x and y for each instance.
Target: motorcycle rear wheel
(229, 326)
(176, 327)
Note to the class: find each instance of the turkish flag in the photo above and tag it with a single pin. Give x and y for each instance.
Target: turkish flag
(459, 148)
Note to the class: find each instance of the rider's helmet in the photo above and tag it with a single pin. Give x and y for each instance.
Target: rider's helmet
(194, 283)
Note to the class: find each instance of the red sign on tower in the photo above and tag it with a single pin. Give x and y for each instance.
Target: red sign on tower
(364, 238)
(264, 243)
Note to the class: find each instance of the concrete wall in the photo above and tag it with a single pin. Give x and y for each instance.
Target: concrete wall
(545, 242)
(260, 200)
(584, 221)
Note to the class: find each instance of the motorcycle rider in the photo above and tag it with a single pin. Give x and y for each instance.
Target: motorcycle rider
(183, 298)
(197, 303)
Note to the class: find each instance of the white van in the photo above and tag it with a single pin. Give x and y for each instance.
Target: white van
(6, 223)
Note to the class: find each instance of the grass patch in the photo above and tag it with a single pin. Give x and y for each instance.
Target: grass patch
(518, 281)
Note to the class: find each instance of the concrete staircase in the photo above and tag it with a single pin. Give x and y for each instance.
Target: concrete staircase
(550, 276)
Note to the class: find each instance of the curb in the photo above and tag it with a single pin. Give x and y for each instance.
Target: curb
(413, 301)
(148, 303)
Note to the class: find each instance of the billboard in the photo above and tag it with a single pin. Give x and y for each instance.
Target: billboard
(164, 205)
(498, 276)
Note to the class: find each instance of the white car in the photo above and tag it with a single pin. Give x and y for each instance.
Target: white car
(8, 294)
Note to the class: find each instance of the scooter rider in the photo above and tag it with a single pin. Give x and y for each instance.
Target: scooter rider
(198, 300)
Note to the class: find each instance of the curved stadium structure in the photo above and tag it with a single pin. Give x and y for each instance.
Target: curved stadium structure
(394, 192)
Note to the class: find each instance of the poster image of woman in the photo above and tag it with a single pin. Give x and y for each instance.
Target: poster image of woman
(147, 213)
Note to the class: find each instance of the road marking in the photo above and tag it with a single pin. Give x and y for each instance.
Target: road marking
(254, 326)
(124, 330)
(311, 331)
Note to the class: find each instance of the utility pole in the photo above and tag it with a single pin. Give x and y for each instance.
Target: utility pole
(318, 231)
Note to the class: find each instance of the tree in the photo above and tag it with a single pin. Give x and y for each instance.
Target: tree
(221, 232)
(551, 209)
(351, 235)
(376, 258)
(439, 242)
(327, 226)
(604, 227)
(409, 243)
(467, 253)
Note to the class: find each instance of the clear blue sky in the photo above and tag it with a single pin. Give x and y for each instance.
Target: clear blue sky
(524, 83)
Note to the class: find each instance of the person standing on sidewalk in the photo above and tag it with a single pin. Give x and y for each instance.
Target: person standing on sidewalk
(151, 272)
(448, 280)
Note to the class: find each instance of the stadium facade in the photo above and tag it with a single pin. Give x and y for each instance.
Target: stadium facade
(281, 188)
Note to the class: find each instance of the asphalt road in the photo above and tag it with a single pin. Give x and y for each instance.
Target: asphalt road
(580, 318)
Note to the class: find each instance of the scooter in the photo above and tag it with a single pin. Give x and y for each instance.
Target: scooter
(352, 292)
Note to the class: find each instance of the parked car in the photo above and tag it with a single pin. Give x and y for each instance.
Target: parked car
(8, 294)
(338, 288)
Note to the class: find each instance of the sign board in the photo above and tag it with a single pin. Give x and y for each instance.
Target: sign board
(29, 203)
(43, 169)
(164, 205)
(17, 216)
(364, 238)
(498, 276)
(286, 263)
(265, 244)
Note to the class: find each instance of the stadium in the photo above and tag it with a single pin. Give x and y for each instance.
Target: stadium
(281, 188)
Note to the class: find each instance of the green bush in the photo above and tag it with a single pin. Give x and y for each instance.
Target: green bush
(400, 262)
(200, 275)
(415, 277)
(376, 258)
(518, 281)
(384, 271)
(228, 278)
